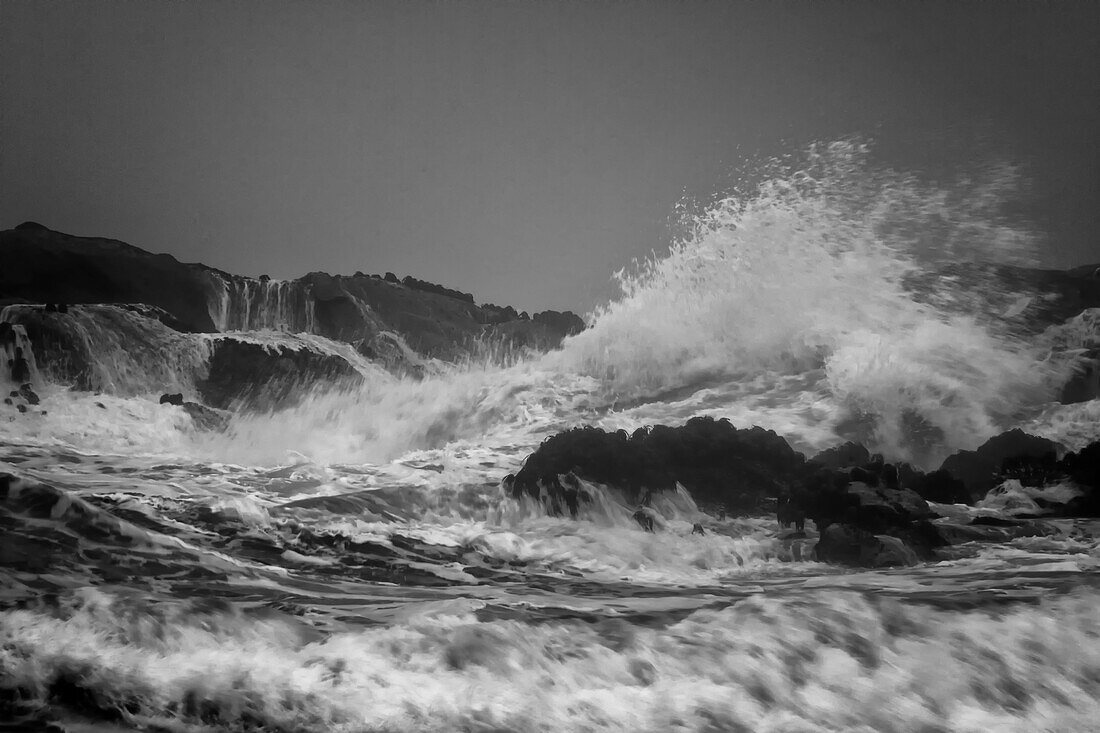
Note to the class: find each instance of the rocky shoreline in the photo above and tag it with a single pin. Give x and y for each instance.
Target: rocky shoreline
(101, 315)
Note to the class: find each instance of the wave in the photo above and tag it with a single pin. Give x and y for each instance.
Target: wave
(835, 300)
(833, 661)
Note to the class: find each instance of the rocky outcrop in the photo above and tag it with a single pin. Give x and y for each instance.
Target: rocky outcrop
(939, 486)
(720, 465)
(1040, 486)
(866, 519)
(864, 514)
(843, 456)
(980, 470)
(246, 374)
(39, 265)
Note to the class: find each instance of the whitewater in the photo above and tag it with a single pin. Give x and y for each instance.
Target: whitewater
(349, 561)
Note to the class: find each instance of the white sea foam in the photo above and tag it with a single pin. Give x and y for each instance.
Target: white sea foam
(837, 661)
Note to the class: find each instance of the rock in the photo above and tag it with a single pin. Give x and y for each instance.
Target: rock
(697, 529)
(993, 529)
(566, 323)
(21, 407)
(789, 513)
(718, 464)
(832, 498)
(40, 265)
(43, 266)
(843, 456)
(980, 469)
(1083, 469)
(257, 376)
(206, 418)
(939, 486)
(644, 519)
(28, 394)
(20, 368)
(172, 399)
(845, 544)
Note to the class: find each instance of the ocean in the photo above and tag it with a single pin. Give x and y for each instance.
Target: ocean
(347, 560)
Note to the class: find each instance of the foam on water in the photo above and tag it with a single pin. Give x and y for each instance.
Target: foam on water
(837, 661)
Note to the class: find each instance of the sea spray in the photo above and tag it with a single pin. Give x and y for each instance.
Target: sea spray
(821, 303)
(815, 270)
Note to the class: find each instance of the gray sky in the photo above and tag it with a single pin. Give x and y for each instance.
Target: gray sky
(521, 151)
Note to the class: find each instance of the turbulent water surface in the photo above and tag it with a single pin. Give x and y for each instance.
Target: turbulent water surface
(349, 563)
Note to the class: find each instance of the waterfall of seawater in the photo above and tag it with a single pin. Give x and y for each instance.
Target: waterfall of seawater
(244, 304)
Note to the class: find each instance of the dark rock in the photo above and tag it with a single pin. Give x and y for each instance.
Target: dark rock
(20, 368)
(697, 529)
(21, 407)
(718, 464)
(846, 544)
(567, 322)
(40, 265)
(843, 456)
(206, 418)
(980, 469)
(939, 486)
(995, 521)
(254, 376)
(994, 529)
(411, 282)
(28, 394)
(789, 513)
(830, 498)
(172, 399)
(1083, 468)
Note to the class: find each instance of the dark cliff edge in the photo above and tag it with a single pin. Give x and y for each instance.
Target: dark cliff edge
(39, 265)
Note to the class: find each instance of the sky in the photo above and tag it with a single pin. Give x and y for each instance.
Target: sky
(521, 151)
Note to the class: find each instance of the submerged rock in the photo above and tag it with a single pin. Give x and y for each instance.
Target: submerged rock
(206, 418)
